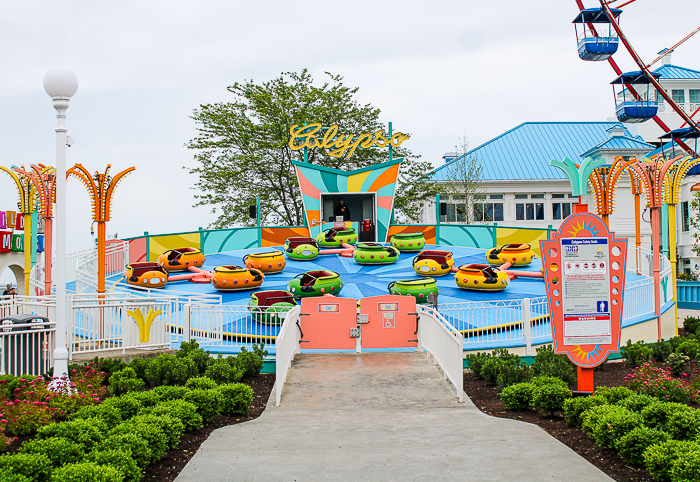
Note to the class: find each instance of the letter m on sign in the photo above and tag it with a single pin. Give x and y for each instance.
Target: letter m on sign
(5, 241)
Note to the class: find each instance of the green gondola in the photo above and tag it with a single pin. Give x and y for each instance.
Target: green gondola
(315, 283)
(418, 288)
(407, 242)
(268, 307)
(336, 237)
(375, 253)
(301, 249)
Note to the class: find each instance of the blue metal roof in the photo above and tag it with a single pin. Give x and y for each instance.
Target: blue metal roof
(673, 72)
(620, 143)
(524, 152)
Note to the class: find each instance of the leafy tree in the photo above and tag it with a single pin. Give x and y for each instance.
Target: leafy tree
(465, 182)
(243, 147)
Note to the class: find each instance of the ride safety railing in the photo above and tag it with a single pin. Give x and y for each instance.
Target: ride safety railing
(287, 345)
(27, 348)
(444, 343)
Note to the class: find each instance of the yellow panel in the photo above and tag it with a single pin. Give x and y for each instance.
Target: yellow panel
(515, 235)
(356, 180)
(160, 244)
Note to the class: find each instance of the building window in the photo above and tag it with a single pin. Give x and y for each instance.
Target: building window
(678, 96)
(489, 211)
(456, 210)
(694, 96)
(521, 196)
(529, 211)
(561, 209)
(536, 196)
(686, 216)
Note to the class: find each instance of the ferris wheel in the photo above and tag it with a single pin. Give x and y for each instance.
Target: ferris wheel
(637, 93)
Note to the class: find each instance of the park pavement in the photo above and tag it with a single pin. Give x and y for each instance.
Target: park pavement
(380, 417)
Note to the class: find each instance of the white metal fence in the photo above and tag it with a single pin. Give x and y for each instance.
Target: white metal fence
(27, 348)
(287, 345)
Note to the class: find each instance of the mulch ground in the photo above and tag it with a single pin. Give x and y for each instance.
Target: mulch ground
(172, 464)
(485, 397)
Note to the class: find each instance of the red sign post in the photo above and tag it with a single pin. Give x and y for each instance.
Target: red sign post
(584, 269)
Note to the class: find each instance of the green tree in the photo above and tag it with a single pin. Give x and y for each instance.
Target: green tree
(465, 183)
(242, 147)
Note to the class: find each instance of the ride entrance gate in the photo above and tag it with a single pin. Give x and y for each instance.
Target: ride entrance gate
(330, 323)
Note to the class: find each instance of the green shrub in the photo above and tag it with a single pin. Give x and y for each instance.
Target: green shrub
(125, 381)
(8, 476)
(184, 411)
(119, 460)
(550, 397)
(550, 364)
(251, 363)
(510, 374)
(154, 437)
(235, 398)
(506, 356)
(170, 370)
(613, 394)
(208, 403)
(147, 399)
(25, 417)
(660, 458)
(491, 368)
(109, 414)
(691, 324)
(203, 383)
(35, 467)
(636, 353)
(659, 383)
(107, 365)
(131, 443)
(675, 341)
(224, 370)
(172, 427)
(677, 363)
(687, 467)
(127, 406)
(684, 424)
(86, 472)
(518, 397)
(689, 348)
(657, 415)
(574, 408)
(202, 359)
(140, 365)
(85, 432)
(543, 380)
(661, 350)
(612, 425)
(59, 450)
(170, 392)
(476, 362)
(634, 443)
(637, 402)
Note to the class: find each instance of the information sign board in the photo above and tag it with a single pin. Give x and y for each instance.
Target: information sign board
(584, 269)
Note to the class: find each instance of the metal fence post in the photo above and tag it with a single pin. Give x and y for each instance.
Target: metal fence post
(186, 311)
(527, 325)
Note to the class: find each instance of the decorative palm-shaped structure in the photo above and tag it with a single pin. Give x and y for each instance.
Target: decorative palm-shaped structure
(101, 188)
(25, 189)
(43, 180)
(604, 182)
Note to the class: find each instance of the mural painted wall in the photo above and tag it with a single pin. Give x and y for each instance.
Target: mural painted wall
(316, 180)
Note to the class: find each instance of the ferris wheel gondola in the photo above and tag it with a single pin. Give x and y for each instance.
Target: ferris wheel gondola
(640, 106)
(597, 39)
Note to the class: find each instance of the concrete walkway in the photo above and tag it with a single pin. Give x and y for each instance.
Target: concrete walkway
(380, 417)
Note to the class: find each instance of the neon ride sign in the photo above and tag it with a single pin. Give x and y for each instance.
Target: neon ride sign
(309, 136)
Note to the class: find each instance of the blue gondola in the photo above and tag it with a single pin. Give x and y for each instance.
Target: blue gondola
(630, 108)
(600, 42)
(684, 134)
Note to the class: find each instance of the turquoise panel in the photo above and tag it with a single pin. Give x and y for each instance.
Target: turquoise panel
(330, 180)
(312, 203)
(229, 239)
(466, 236)
(383, 218)
(342, 183)
(387, 190)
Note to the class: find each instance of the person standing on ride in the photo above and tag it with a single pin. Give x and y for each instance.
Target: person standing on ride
(342, 210)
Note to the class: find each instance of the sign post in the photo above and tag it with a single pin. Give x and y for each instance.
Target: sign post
(584, 270)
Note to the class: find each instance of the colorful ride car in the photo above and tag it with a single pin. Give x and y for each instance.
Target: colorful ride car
(301, 249)
(408, 242)
(375, 253)
(181, 259)
(146, 275)
(336, 237)
(433, 263)
(418, 288)
(481, 277)
(236, 278)
(269, 307)
(516, 254)
(315, 283)
(271, 262)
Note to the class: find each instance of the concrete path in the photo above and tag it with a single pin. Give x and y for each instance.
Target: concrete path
(380, 417)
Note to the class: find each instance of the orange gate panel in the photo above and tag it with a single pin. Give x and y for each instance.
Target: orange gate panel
(392, 322)
(326, 322)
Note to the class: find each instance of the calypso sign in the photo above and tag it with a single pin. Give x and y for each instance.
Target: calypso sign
(308, 136)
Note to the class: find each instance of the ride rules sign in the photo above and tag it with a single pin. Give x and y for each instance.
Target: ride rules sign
(584, 269)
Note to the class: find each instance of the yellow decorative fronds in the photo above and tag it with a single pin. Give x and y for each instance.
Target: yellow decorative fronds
(24, 189)
(144, 323)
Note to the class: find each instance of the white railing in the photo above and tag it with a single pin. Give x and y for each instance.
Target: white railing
(287, 345)
(27, 348)
(230, 324)
(688, 107)
(444, 343)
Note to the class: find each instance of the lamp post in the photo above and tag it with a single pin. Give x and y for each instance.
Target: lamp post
(61, 85)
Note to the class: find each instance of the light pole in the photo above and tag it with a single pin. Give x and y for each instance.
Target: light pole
(61, 85)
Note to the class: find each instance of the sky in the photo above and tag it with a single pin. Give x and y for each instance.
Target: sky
(438, 70)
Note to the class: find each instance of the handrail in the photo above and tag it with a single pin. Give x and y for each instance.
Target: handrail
(287, 345)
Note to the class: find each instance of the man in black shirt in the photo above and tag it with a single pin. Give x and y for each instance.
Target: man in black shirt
(9, 291)
(342, 210)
